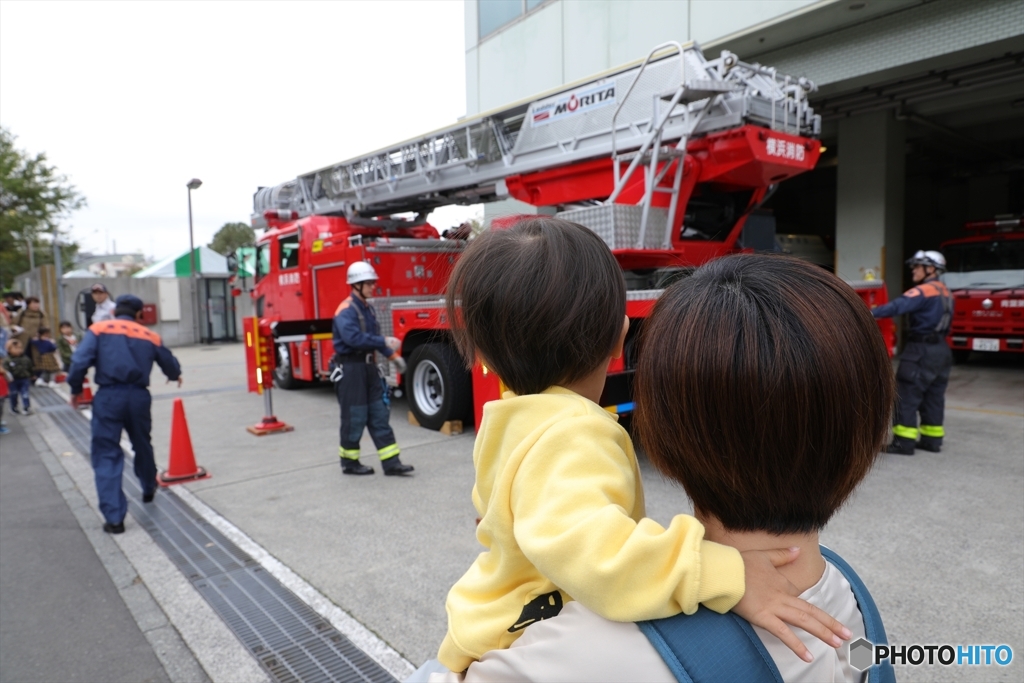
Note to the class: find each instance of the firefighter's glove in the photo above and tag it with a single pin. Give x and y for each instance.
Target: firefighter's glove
(76, 400)
(337, 373)
(400, 364)
(393, 343)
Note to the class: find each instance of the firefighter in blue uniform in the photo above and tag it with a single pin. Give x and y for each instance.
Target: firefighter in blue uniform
(123, 352)
(357, 382)
(926, 359)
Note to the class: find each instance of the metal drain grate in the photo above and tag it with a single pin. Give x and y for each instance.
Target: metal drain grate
(293, 643)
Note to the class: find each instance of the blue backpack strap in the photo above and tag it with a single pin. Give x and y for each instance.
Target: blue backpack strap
(707, 646)
(873, 628)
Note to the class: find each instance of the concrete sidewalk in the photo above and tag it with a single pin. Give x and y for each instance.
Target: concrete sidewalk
(62, 617)
(939, 538)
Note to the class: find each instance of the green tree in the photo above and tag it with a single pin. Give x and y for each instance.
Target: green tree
(34, 198)
(231, 236)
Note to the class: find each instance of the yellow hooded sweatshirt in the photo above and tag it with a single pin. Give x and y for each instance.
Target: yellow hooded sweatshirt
(561, 503)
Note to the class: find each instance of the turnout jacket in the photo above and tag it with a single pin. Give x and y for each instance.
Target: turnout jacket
(929, 305)
(562, 512)
(352, 337)
(123, 352)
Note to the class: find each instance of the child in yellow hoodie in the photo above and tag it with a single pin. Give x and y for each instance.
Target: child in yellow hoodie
(558, 487)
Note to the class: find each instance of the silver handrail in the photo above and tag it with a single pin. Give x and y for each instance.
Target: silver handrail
(615, 116)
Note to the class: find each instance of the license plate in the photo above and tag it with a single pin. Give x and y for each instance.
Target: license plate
(985, 344)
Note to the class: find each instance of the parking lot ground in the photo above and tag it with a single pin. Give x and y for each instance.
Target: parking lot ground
(939, 538)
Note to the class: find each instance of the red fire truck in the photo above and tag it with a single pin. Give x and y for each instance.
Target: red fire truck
(663, 159)
(986, 277)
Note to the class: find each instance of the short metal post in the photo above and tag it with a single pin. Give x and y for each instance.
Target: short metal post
(268, 404)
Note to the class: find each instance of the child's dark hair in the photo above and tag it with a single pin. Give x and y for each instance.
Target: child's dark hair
(43, 330)
(64, 323)
(32, 300)
(542, 303)
(763, 387)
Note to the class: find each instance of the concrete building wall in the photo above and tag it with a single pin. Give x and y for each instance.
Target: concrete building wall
(560, 41)
(844, 47)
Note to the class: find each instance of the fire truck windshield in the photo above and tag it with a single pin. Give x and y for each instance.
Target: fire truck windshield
(262, 260)
(985, 265)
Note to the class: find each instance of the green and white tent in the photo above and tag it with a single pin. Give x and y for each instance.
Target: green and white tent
(208, 264)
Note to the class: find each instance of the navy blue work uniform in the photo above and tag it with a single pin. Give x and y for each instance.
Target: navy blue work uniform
(925, 363)
(123, 352)
(359, 387)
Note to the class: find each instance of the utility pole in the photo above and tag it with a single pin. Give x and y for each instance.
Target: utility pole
(193, 184)
(58, 276)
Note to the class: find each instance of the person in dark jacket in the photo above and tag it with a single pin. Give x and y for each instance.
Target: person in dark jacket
(44, 358)
(123, 352)
(19, 366)
(357, 382)
(926, 360)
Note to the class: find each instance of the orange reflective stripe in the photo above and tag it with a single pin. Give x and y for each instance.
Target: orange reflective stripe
(345, 303)
(128, 328)
(914, 291)
(933, 289)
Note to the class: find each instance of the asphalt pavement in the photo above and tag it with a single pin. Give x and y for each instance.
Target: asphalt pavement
(61, 616)
(939, 538)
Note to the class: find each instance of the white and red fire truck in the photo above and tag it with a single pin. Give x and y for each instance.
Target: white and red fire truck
(664, 159)
(985, 274)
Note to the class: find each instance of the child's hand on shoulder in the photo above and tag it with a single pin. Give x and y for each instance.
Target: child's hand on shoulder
(770, 602)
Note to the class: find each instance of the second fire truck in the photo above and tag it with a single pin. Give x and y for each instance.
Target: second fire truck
(664, 159)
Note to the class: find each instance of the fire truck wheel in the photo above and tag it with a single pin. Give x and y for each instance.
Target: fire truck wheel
(283, 378)
(438, 386)
(960, 356)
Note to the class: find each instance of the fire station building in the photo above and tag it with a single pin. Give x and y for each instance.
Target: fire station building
(922, 101)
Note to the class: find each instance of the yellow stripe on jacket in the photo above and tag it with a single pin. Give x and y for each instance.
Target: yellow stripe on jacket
(561, 503)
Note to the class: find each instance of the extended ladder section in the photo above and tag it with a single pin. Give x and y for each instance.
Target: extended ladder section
(638, 114)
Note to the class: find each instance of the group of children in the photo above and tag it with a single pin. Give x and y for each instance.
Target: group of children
(41, 363)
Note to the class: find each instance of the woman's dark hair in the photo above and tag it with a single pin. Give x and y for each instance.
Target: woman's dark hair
(542, 303)
(31, 299)
(764, 387)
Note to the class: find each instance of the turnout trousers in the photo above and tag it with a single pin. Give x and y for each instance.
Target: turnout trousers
(360, 394)
(921, 383)
(115, 408)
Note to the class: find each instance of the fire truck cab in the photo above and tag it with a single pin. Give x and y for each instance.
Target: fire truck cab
(985, 274)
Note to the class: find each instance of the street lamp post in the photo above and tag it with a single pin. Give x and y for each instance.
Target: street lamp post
(193, 184)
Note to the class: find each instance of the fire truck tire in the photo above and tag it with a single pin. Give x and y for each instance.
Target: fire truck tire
(438, 386)
(283, 378)
(960, 356)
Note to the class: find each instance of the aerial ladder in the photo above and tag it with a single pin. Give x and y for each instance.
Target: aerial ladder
(644, 114)
(664, 159)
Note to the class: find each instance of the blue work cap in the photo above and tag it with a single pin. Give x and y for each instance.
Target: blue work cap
(130, 301)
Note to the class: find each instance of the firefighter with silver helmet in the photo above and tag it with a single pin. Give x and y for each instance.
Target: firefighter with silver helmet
(357, 380)
(926, 359)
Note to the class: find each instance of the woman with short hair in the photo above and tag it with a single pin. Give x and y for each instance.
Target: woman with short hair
(765, 389)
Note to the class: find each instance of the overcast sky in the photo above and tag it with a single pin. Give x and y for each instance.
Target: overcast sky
(131, 100)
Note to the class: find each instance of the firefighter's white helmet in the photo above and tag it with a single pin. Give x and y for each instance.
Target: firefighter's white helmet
(361, 271)
(927, 258)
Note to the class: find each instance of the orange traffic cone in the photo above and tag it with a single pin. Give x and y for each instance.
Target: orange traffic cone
(85, 398)
(182, 465)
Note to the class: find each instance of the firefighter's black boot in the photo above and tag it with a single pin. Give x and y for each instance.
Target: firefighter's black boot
(393, 466)
(930, 443)
(901, 446)
(353, 466)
